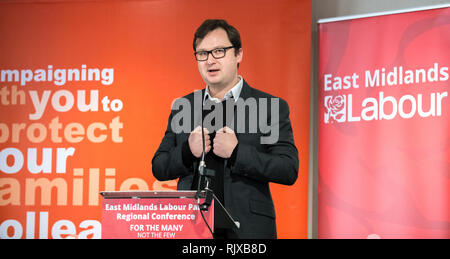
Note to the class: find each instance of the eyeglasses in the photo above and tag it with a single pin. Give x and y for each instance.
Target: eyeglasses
(216, 53)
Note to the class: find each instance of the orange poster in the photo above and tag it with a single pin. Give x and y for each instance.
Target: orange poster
(86, 89)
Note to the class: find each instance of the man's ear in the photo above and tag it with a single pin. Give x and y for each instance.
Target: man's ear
(239, 54)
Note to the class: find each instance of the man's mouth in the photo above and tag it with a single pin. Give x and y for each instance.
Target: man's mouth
(213, 70)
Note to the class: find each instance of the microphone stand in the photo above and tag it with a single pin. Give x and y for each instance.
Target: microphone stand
(204, 173)
(201, 168)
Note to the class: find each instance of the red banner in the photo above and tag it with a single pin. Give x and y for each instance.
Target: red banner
(384, 126)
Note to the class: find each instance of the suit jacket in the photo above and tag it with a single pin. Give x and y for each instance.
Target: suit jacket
(246, 181)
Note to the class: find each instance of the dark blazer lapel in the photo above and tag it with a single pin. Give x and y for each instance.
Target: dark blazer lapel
(245, 92)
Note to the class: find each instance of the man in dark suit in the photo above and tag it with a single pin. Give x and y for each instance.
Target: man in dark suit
(248, 136)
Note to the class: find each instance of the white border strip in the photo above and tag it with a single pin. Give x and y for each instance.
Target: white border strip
(349, 17)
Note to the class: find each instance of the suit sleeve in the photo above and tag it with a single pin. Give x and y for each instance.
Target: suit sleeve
(277, 162)
(172, 160)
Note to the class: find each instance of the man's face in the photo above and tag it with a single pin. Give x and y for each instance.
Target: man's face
(221, 72)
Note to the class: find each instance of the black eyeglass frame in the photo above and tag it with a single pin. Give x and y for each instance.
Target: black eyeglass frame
(211, 52)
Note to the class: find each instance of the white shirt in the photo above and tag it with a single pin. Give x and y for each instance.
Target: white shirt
(235, 92)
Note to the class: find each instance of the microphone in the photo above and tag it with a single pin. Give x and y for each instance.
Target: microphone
(201, 166)
(204, 173)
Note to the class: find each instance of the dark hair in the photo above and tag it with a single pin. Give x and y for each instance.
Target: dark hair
(212, 24)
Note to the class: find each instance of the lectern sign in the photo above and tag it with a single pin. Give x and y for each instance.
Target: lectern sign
(156, 218)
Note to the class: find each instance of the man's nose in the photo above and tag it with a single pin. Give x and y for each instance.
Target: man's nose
(210, 59)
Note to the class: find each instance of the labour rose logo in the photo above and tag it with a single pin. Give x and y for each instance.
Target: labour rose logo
(335, 108)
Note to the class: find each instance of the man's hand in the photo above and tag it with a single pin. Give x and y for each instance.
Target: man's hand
(195, 142)
(224, 142)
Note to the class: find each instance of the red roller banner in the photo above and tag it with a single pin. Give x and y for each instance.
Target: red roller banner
(384, 126)
(86, 90)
